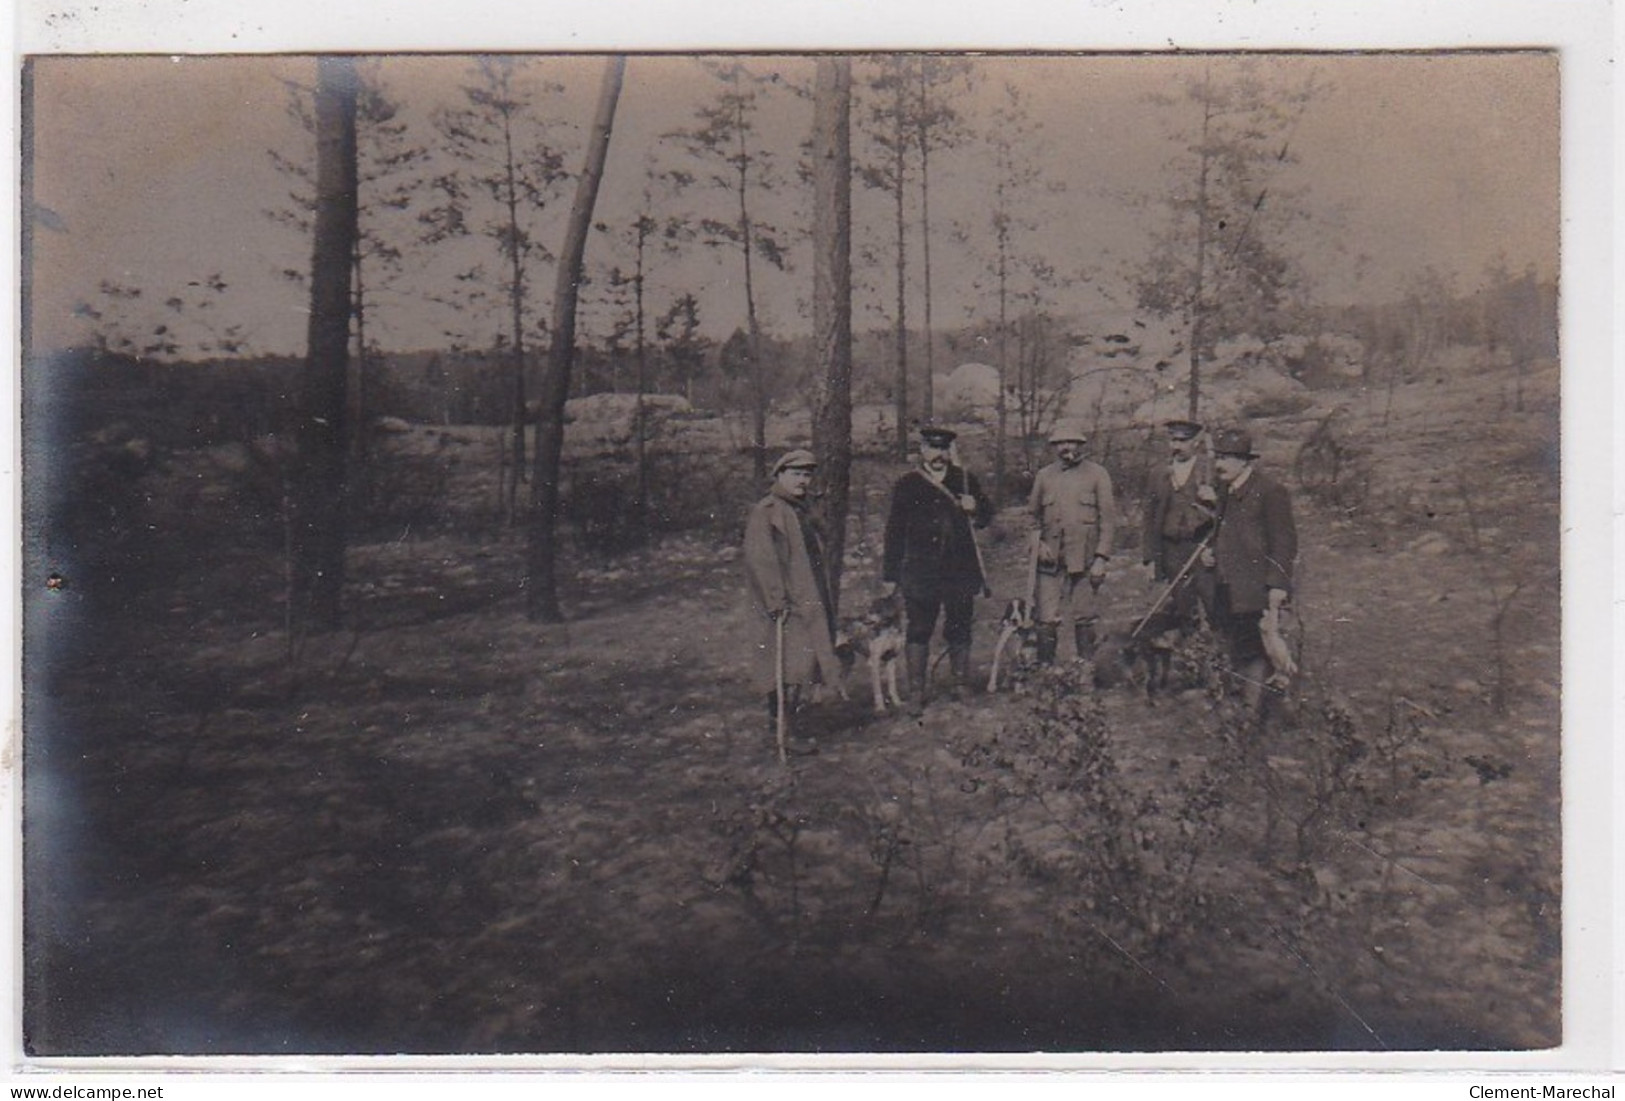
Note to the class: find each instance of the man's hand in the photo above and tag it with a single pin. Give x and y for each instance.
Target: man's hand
(1097, 571)
(1277, 599)
(1208, 558)
(967, 502)
(888, 589)
(1046, 555)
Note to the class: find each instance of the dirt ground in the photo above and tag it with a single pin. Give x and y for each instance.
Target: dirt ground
(453, 830)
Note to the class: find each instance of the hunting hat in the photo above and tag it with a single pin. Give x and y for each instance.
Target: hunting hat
(936, 435)
(799, 459)
(1234, 441)
(1068, 432)
(1183, 430)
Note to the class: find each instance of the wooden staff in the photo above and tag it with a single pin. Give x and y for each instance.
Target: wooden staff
(778, 676)
(1172, 585)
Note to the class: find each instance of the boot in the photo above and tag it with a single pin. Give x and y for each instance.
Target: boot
(959, 662)
(1047, 637)
(1083, 634)
(917, 656)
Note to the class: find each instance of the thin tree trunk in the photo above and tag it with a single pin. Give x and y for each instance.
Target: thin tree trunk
(542, 601)
(318, 528)
(832, 301)
(901, 336)
(643, 389)
(516, 302)
(1198, 335)
(927, 401)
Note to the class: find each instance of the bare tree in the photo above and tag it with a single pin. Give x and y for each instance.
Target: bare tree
(937, 125)
(889, 127)
(1223, 263)
(510, 164)
(726, 139)
(832, 300)
(542, 600)
(317, 526)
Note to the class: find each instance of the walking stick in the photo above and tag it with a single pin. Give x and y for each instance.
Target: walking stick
(778, 676)
(1172, 585)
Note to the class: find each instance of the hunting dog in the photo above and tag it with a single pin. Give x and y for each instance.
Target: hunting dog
(1139, 660)
(1016, 624)
(877, 636)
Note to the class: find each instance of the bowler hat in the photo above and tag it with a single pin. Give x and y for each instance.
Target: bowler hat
(1183, 430)
(936, 435)
(1234, 441)
(1068, 431)
(799, 459)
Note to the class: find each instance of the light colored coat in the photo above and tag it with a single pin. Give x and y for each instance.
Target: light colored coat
(780, 575)
(1075, 513)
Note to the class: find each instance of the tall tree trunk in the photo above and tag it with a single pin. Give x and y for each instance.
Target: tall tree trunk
(927, 396)
(318, 534)
(542, 600)
(643, 389)
(758, 370)
(832, 300)
(1198, 329)
(999, 404)
(516, 296)
(899, 148)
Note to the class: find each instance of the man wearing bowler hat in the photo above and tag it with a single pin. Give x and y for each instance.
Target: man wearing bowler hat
(931, 555)
(1180, 508)
(1254, 553)
(1075, 518)
(789, 586)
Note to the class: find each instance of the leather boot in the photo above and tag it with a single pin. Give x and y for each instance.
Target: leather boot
(917, 656)
(1083, 634)
(1047, 637)
(959, 662)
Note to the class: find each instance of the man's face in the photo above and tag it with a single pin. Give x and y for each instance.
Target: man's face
(934, 455)
(1229, 467)
(1070, 452)
(795, 480)
(1184, 448)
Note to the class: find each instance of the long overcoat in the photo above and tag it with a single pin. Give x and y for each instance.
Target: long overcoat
(780, 574)
(930, 549)
(1256, 546)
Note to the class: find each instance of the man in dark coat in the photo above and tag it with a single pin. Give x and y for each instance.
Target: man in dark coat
(931, 554)
(1254, 553)
(1179, 512)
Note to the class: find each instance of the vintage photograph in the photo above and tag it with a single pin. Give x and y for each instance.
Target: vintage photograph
(912, 552)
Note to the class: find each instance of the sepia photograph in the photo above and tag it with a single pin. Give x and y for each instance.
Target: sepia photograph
(888, 552)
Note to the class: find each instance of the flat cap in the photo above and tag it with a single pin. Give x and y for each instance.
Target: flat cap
(799, 459)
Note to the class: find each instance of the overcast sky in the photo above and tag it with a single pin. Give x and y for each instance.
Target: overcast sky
(154, 172)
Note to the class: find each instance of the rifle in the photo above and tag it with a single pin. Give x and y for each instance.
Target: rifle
(1172, 586)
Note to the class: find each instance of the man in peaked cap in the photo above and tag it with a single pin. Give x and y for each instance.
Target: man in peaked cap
(1075, 524)
(931, 555)
(1180, 507)
(788, 578)
(1254, 553)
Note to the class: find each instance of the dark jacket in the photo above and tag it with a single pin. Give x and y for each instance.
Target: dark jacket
(1256, 547)
(930, 548)
(1176, 515)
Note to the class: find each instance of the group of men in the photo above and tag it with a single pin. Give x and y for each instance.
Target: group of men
(1218, 533)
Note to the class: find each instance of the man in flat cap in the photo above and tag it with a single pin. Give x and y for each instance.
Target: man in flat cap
(1075, 522)
(789, 584)
(931, 555)
(1180, 508)
(1254, 553)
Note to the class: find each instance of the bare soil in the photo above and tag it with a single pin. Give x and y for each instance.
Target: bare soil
(454, 830)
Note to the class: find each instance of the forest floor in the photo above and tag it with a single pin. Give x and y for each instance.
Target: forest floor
(452, 829)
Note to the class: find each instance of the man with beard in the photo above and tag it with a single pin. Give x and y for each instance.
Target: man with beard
(1075, 518)
(789, 586)
(1179, 512)
(931, 555)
